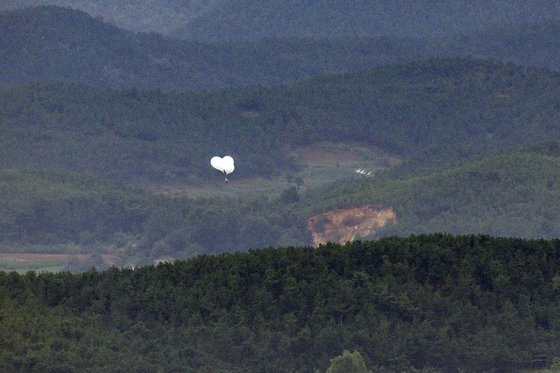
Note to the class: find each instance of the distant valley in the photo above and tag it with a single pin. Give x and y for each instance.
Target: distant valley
(106, 136)
(390, 203)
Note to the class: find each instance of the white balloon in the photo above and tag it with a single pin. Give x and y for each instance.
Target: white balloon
(216, 162)
(224, 165)
(228, 164)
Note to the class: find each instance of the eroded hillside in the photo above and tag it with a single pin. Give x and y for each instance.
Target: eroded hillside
(349, 224)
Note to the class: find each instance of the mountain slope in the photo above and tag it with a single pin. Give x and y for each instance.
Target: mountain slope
(247, 19)
(514, 193)
(510, 194)
(45, 208)
(530, 44)
(45, 212)
(147, 15)
(57, 44)
(250, 20)
(428, 113)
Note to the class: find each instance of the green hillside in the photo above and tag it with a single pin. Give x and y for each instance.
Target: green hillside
(140, 137)
(426, 303)
(58, 44)
(510, 194)
(439, 106)
(427, 113)
(76, 214)
(433, 115)
(40, 208)
(513, 193)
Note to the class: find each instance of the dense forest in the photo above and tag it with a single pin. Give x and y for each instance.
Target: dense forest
(427, 113)
(53, 208)
(56, 44)
(426, 303)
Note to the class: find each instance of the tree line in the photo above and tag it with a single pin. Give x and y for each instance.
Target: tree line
(429, 302)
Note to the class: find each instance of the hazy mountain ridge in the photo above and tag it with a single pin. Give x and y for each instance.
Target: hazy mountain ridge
(530, 44)
(250, 19)
(56, 44)
(159, 16)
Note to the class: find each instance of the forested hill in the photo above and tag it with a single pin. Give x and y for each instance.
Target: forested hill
(530, 44)
(136, 15)
(430, 112)
(513, 193)
(434, 302)
(58, 44)
(77, 214)
(45, 208)
(249, 19)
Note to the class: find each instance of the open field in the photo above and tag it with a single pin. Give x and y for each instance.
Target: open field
(22, 262)
(321, 163)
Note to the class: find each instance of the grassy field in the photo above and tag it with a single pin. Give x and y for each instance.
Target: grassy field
(321, 163)
(45, 265)
(23, 262)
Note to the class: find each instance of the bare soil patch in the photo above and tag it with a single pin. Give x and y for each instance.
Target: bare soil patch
(345, 225)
